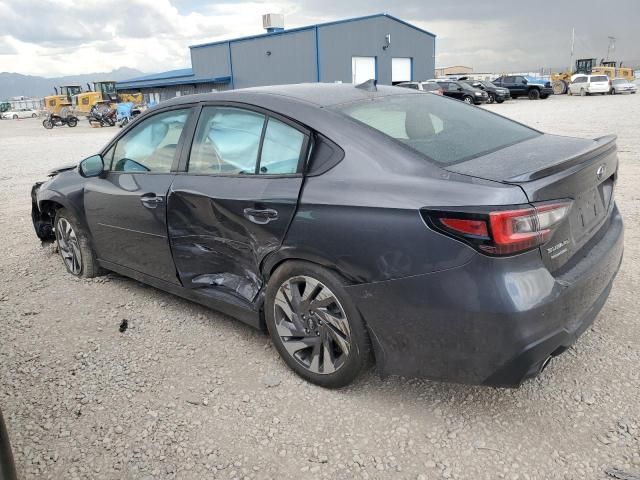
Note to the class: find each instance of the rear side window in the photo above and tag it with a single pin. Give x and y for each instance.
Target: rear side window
(234, 141)
(281, 148)
(600, 78)
(227, 141)
(444, 130)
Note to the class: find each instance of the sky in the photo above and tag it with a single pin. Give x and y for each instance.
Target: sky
(61, 37)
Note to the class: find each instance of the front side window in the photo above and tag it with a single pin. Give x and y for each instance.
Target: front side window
(443, 130)
(152, 145)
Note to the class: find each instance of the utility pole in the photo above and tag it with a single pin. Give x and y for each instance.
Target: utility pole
(573, 42)
(612, 46)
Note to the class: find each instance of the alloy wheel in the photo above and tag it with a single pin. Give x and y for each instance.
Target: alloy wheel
(312, 325)
(69, 246)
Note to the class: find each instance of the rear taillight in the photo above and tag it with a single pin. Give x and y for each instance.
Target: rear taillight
(501, 231)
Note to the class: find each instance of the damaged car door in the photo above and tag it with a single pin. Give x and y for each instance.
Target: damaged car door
(233, 203)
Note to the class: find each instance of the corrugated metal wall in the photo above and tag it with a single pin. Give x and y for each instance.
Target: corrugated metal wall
(274, 60)
(340, 42)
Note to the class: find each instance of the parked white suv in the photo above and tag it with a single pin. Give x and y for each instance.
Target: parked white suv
(588, 84)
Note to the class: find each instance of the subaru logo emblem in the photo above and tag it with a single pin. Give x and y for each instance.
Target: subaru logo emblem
(600, 172)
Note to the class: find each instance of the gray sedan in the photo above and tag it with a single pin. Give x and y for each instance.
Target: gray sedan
(621, 85)
(354, 224)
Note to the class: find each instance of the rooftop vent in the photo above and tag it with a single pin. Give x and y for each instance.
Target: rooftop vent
(273, 22)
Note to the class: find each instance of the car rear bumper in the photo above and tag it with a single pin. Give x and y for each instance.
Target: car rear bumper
(490, 321)
(599, 89)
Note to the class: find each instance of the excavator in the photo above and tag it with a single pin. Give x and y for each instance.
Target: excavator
(61, 103)
(589, 66)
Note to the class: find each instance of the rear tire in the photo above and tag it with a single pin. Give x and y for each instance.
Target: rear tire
(534, 94)
(72, 122)
(499, 100)
(583, 92)
(315, 326)
(15, 117)
(33, 115)
(74, 246)
(544, 96)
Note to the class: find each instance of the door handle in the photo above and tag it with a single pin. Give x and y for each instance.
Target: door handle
(151, 200)
(261, 217)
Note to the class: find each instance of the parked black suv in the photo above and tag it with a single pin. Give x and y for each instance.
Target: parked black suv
(462, 91)
(519, 86)
(496, 94)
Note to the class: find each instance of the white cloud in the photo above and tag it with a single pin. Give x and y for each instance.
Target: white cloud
(60, 37)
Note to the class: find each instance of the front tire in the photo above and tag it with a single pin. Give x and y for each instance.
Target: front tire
(534, 94)
(492, 98)
(315, 326)
(33, 115)
(583, 92)
(15, 117)
(48, 124)
(74, 246)
(468, 100)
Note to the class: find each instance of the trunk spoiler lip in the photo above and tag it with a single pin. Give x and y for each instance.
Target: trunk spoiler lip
(601, 145)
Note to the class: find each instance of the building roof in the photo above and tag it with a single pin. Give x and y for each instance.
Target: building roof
(183, 76)
(312, 27)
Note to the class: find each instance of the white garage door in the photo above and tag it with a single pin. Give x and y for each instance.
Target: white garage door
(363, 69)
(401, 70)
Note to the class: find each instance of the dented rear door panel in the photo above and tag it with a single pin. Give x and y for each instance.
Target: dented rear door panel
(216, 242)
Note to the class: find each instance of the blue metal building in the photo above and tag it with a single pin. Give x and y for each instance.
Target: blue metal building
(353, 50)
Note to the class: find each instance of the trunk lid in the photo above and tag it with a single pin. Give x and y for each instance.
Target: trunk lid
(550, 167)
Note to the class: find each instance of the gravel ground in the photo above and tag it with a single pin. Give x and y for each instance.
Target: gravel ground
(188, 393)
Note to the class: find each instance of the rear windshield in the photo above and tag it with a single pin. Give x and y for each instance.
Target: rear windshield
(446, 131)
(600, 78)
(619, 82)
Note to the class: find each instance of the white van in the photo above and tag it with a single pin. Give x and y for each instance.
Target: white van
(588, 84)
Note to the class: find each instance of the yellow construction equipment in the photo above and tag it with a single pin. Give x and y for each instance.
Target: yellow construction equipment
(104, 93)
(60, 103)
(589, 66)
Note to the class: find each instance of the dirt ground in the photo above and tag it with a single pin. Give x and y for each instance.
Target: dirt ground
(188, 393)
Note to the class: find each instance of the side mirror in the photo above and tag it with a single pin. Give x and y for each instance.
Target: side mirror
(92, 166)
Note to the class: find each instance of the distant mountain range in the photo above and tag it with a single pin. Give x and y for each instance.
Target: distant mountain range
(16, 84)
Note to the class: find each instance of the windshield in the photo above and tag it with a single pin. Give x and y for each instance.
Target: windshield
(107, 87)
(446, 131)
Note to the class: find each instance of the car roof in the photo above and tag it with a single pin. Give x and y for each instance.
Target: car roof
(318, 94)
